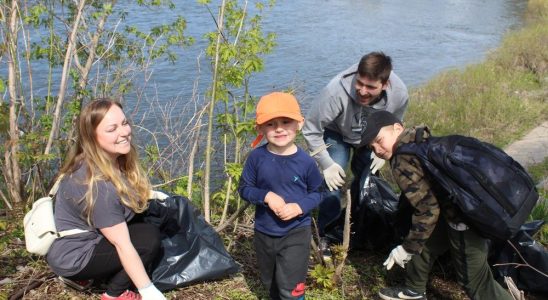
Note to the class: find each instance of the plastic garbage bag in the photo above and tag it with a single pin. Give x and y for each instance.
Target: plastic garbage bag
(375, 214)
(536, 255)
(379, 218)
(192, 250)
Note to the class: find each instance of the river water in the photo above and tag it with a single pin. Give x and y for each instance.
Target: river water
(316, 39)
(319, 38)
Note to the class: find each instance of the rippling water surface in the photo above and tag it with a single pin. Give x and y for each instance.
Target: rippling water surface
(318, 38)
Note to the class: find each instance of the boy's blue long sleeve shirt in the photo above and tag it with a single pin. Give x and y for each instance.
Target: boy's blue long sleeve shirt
(296, 178)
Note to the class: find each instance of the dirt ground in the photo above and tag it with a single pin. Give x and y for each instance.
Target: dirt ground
(28, 277)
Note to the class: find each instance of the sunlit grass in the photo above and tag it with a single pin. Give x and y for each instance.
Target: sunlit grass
(482, 100)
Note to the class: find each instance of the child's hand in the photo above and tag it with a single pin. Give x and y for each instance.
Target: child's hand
(274, 202)
(290, 211)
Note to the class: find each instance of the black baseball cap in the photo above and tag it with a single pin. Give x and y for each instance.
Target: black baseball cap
(373, 124)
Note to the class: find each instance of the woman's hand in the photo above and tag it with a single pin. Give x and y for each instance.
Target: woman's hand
(151, 293)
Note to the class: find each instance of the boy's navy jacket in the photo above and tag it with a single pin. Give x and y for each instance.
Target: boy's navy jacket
(294, 177)
(494, 192)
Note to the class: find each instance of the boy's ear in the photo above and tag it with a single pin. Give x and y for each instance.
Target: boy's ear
(301, 124)
(398, 128)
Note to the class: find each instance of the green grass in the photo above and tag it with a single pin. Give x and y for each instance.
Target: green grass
(539, 171)
(481, 101)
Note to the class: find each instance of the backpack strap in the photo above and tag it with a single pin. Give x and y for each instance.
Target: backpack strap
(70, 232)
(419, 133)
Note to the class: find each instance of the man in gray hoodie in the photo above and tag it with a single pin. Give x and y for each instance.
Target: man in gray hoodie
(334, 125)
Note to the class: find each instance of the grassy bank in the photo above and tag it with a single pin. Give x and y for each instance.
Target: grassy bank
(498, 100)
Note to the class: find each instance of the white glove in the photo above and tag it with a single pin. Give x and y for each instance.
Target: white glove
(397, 255)
(376, 164)
(158, 195)
(150, 292)
(334, 175)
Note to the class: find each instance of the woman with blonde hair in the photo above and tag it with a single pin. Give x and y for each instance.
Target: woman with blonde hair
(102, 190)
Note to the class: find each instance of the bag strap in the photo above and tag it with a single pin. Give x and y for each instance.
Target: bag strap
(55, 186)
(70, 232)
(52, 193)
(419, 133)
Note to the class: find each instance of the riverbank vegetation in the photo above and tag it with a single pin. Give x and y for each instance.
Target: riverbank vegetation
(498, 100)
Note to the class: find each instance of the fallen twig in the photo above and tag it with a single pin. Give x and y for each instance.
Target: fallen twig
(33, 283)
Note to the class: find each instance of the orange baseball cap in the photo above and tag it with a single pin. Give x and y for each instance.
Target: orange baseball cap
(276, 105)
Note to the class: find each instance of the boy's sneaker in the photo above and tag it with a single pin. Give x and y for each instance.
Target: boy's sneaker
(79, 285)
(324, 248)
(397, 293)
(127, 295)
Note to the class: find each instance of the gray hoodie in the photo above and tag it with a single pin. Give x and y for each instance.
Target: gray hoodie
(338, 110)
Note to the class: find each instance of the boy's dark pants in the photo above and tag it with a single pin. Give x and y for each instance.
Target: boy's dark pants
(283, 262)
(469, 255)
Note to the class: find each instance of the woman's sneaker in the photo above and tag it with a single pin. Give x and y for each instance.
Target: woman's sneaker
(397, 293)
(79, 285)
(127, 295)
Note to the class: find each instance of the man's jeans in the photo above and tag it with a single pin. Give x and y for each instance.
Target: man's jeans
(330, 207)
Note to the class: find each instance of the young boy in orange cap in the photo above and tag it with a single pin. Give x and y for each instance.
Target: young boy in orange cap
(283, 183)
(436, 225)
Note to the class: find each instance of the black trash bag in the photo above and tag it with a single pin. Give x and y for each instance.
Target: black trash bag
(375, 214)
(379, 219)
(192, 250)
(535, 254)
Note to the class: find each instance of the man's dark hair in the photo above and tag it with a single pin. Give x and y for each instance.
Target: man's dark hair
(375, 66)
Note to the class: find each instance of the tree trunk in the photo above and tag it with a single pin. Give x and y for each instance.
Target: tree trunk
(12, 171)
(191, 158)
(64, 78)
(346, 238)
(208, 150)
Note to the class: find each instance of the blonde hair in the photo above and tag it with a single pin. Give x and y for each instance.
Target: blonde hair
(130, 181)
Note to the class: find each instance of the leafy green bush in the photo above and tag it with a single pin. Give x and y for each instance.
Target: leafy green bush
(323, 276)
